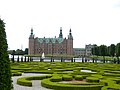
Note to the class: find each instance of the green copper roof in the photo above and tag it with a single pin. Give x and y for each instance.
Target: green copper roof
(78, 49)
(50, 40)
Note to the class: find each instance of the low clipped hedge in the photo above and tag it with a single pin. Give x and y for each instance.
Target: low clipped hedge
(17, 74)
(39, 71)
(92, 79)
(60, 86)
(104, 82)
(78, 77)
(67, 78)
(26, 81)
(56, 79)
(111, 74)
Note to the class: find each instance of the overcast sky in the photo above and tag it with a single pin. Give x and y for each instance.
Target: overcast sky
(91, 21)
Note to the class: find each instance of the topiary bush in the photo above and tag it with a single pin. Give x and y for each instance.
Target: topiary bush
(5, 70)
(78, 77)
(67, 78)
(92, 79)
(56, 79)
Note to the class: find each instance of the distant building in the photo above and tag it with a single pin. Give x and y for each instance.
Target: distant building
(79, 51)
(88, 49)
(55, 45)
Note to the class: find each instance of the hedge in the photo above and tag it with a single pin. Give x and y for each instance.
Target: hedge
(26, 81)
(67, 78)
(59, 86)
(78, 77)
(17, 74)
(92, 79)
(56, 79)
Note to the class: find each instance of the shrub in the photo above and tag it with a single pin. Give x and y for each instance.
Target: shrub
(78, 77)
(92, 79)
(67, 78)
(56, 79)
(59, 86)
(5, 70)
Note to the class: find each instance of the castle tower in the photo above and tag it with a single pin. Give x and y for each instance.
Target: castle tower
(60, 35)
(31, 43)
(70, 43)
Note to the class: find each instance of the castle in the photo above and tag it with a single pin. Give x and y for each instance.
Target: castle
(51, 46)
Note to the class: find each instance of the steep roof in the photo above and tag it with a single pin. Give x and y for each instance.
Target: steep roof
(50, 40)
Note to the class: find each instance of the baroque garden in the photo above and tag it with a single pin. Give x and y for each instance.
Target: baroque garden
(102, 72)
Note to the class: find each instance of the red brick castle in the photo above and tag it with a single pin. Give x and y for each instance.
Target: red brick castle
(54, 46)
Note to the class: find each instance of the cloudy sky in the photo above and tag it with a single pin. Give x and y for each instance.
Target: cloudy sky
(91, 21)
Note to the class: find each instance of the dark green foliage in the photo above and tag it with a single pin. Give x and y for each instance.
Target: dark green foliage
(26, 51)
(112, 50)
(18, 59)
(103, 51)
(13, 53)
(118, 52)
(95, 51)
(5, 74)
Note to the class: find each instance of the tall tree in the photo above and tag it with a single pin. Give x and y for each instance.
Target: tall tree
(108, 51)
(26, 51)
(13, 53)
(103, 51)
(112, 50)
(5, 74)
(95, 50)
(118, 51)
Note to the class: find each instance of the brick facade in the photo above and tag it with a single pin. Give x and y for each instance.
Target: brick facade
(55, 45)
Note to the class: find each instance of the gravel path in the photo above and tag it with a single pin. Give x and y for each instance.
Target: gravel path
(36, 83)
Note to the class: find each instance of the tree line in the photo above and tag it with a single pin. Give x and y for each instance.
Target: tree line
(103, 50)
(18, 52)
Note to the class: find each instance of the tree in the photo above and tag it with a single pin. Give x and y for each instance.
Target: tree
(5, 74)
(112, 50)
(13, 53)
(26, 51)
(95, 50)
(19, 52)
(118, 51)
(103, 51)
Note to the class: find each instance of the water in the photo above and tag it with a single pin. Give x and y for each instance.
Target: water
(48, 59)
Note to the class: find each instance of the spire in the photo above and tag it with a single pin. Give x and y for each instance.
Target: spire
(31, 34)
(31, 31)
(60, 35)
(70, 35)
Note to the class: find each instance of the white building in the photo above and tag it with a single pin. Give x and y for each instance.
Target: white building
(79, 51)
(88, 49)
